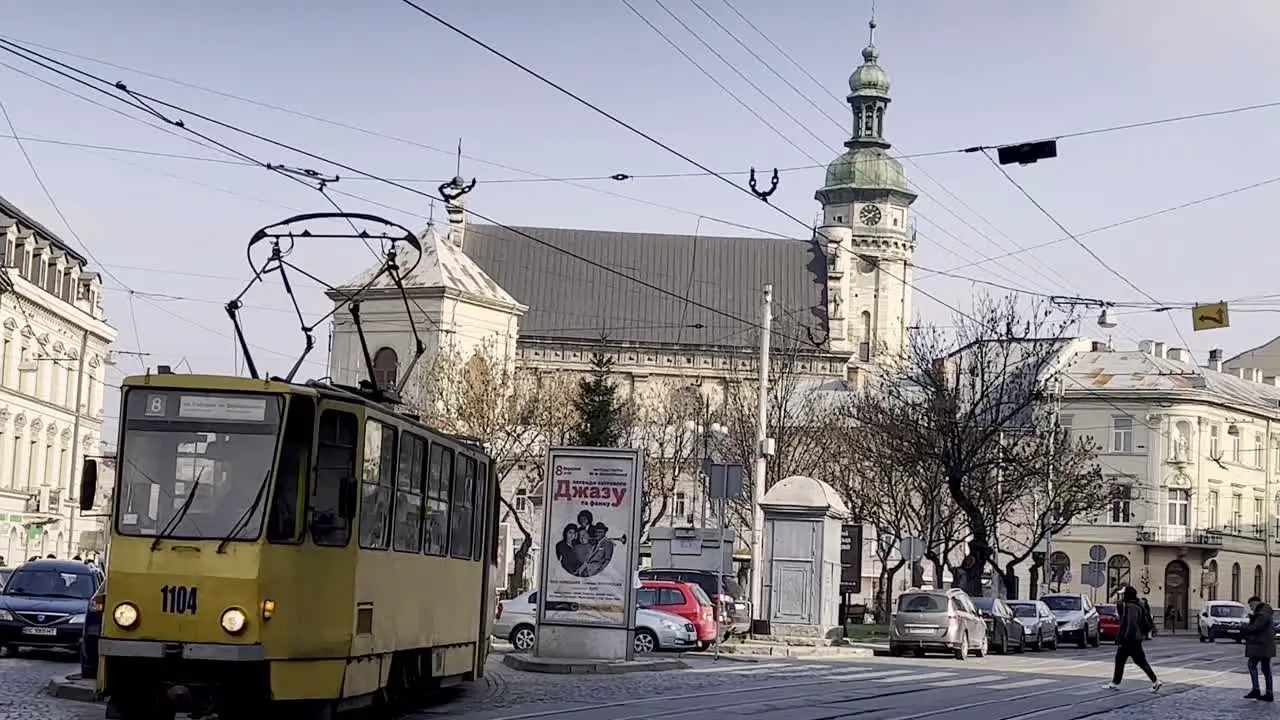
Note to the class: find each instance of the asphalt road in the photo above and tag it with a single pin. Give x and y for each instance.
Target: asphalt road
(1201, 681)
(1204, 682)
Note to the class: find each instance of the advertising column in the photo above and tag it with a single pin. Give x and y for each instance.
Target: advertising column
(591, 549)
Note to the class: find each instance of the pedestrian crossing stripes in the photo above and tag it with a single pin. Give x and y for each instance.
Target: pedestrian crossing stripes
(925, 677)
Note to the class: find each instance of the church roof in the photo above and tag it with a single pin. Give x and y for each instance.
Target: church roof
(443, 265)
(570, 299)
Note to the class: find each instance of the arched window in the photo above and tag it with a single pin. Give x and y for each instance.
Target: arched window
(386, 366)
(1117, 576)
(1211, 581)
(1059, 571)
(1257, 581)
(1235, 582)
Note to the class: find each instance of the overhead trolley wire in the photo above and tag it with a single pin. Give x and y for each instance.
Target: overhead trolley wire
(66, 70)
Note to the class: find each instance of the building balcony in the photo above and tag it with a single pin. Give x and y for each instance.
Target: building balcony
(1176, 536)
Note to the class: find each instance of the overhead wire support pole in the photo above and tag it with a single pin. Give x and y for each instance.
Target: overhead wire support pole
(762, 452)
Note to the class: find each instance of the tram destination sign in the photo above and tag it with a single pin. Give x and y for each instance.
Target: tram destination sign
(590, 537)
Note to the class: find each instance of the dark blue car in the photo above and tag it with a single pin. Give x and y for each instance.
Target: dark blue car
(44, 602)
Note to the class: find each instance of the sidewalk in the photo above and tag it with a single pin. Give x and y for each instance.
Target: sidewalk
(72, 687)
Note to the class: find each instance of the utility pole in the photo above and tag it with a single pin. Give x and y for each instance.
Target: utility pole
(1049, 513)
(762, 453)
(1267, 536)
(73, 486)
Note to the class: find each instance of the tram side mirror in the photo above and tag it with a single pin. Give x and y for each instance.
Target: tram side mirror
(347, 498)
(88, 485)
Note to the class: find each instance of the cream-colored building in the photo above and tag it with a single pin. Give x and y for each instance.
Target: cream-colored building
(1193, 453)
(53, 357)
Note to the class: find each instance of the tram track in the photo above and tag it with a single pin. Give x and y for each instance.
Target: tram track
(765, 696)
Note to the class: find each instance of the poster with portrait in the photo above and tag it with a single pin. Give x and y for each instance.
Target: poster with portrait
(589, 530)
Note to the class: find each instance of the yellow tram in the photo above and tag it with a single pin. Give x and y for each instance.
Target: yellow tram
(289, 548)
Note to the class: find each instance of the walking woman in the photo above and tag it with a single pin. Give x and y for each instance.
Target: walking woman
(1260, 647)
(1134, 626)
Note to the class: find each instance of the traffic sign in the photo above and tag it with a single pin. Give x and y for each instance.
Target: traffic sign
(912, 549)
(1210, 317)
(1098, 553)
(1095, 574)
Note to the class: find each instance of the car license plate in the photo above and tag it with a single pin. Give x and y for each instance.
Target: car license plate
(921, 631)
(39, 631)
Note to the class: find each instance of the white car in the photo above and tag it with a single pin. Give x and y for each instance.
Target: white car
(1222, 619)
(516, 621)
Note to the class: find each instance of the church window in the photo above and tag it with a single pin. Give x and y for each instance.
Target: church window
(386, 365)
(868, 122)
(864, 347)
(880, 122)
(857, 122)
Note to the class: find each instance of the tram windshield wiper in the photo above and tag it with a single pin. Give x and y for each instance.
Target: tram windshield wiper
(174, 521)
(248, 513)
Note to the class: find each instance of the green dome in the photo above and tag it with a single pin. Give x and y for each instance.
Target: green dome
(869, 77)
(867, 168)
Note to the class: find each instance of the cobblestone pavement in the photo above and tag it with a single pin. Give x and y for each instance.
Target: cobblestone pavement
(22, 689)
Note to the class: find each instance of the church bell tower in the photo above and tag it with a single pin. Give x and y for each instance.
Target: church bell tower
(866, 228)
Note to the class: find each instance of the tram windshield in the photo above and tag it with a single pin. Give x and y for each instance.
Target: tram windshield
(194, 464)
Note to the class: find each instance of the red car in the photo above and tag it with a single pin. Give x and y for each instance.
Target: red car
(1108, 622)
(684, 599)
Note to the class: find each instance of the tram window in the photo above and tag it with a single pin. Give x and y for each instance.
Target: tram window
(406, 530)
(480, 522)
(295, 461)
(439, 482)
(463, 513)
(335, 465)
(378, 486)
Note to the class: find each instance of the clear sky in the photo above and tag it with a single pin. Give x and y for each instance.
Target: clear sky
(173, 230)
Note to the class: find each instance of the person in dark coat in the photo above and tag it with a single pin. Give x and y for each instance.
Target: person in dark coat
(1260, 647)
(1134, 626)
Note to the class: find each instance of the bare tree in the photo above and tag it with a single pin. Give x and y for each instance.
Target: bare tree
(516, 413)
(952, 397)
(803, 419)
(657, 416)
(1034, 508)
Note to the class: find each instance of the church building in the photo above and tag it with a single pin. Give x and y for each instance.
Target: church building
(841, 297)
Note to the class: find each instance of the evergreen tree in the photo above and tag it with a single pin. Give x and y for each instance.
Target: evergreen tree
(599, 409)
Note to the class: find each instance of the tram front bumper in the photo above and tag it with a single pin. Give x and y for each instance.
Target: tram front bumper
(183, 676)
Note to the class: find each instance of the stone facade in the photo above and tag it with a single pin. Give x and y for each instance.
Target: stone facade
(53, 357)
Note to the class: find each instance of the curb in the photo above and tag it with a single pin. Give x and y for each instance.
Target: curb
(585, 667)
(800, 651)
(72, 687)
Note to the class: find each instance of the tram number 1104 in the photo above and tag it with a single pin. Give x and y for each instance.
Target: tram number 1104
(178, 600)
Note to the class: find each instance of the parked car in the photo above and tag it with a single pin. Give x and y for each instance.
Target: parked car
(44, 603)
(937, 621)
(684, 599)
(1222, 619)
(516, 620)
(724, 591)
(1108, 622)
(1004, 631)
(1039, 625)
(92, 631)
(1078, 620)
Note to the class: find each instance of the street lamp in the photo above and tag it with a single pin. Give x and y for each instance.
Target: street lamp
(711, 433)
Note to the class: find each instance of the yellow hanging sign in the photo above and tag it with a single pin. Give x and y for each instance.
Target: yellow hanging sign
(1210, 317)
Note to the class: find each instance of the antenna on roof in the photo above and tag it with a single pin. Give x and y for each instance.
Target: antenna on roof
(281, 237)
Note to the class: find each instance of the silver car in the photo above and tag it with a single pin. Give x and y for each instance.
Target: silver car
(1078, 619)
(516, 621)
(1039, 626)
(937, 621)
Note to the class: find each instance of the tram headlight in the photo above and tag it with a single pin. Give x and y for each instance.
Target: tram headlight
(233, 620)
(126, 615)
